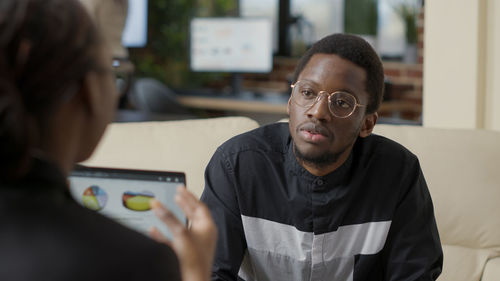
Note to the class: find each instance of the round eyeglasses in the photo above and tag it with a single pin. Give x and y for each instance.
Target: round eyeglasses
(341, 104)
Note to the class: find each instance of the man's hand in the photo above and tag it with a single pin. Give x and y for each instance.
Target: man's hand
(194, 246)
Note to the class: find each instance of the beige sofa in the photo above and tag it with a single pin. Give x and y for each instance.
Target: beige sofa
(462, 169)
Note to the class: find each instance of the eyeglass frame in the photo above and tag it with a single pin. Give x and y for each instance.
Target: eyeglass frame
(123, 69)
(329, 95)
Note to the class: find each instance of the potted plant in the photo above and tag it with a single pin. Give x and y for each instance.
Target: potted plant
(361, 18)
(408, 12)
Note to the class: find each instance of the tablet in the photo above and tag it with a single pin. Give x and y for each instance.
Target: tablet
(124, 194)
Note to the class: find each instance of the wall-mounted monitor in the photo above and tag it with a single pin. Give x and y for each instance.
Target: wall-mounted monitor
(135, 33)
(238, 45)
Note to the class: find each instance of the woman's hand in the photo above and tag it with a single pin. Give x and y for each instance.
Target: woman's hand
(194, 246)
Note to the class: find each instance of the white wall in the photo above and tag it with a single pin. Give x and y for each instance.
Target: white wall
(462, 64)
(492, 97)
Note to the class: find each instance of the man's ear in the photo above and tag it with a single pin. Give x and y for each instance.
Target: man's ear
(368, 123)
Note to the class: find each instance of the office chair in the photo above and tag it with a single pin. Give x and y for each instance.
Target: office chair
(150, 95)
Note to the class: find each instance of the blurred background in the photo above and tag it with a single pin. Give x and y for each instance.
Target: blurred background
(208, 58)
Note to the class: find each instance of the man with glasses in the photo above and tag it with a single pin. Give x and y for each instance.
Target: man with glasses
(321, 198)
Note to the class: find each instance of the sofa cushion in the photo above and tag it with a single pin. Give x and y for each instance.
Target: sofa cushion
(461, 169)
(492, 270)
(184, 146)
(461, 263)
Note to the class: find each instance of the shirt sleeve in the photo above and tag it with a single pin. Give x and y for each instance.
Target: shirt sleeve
(221, 198)
(413, 248)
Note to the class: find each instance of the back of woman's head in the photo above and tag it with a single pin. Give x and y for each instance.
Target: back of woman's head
(46, 48)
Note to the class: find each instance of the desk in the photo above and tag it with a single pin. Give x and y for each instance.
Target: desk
(263, 108)
(234, 104)
(275, 106)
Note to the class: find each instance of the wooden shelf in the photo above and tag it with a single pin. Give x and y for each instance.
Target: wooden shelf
(259, 106)
(232, 104)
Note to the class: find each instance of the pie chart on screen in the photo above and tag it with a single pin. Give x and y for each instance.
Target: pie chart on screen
(94, 198)
(137, 201)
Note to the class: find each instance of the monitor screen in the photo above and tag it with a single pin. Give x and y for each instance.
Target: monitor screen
(136, 26)
(262, 9)
(231, 45)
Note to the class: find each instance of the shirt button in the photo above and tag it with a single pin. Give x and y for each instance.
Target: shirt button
(320, 182)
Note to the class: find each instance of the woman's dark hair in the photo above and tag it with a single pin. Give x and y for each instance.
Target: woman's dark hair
(358, 51)
(46, 48)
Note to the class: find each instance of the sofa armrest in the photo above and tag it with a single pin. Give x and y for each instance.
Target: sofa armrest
(492, 270)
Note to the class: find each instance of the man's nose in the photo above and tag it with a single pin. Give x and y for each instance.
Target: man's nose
(319, 109)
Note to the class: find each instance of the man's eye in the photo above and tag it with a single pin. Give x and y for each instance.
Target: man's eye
(342, 103)
(307, 94)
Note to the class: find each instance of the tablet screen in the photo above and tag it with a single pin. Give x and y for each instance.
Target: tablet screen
(124, 195)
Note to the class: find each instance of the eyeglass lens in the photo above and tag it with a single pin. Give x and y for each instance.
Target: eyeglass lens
(341, 104)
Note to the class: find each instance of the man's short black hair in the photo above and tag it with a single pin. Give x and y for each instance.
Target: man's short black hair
(358, 51)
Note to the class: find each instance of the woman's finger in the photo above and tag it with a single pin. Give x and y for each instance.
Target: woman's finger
(195, 247)
(167, 217)
(187, 201)
(190, 205)
(159, 237)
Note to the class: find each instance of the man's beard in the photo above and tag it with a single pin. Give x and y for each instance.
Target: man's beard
(325, 159)
(321, 161)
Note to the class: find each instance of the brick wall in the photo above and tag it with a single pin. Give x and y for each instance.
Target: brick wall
(403, 98)
(405, 84)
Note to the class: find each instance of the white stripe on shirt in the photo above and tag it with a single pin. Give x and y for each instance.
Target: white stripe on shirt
(279, 251)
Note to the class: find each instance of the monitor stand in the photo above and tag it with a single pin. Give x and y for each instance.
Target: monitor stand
(237, 89)
(236, 82)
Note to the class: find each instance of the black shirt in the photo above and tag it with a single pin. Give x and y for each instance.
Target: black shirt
(371, 219)
(46, 235)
